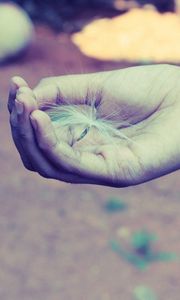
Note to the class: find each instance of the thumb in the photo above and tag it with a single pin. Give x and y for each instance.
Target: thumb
(69, 89)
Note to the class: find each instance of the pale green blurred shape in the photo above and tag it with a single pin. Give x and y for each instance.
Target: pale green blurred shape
(144, 293)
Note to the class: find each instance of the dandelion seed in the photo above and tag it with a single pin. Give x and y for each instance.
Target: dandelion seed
(86, 118)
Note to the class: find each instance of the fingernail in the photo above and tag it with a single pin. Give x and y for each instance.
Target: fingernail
(19, 107)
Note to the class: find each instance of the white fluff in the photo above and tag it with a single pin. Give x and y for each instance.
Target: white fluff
(86, 118)
(16, 30)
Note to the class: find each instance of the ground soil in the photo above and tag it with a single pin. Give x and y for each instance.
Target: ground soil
(55, 236)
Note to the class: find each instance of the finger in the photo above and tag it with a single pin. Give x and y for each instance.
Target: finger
(27, 147)
(17, 142)
(70, 89)
(26, 90)
(15, 83)
(19, 127)
(84, 164)
(47, 95)
(17, 110)
(23, 134)
(32, 158)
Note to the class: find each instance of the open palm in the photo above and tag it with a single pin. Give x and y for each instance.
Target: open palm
(145, 99)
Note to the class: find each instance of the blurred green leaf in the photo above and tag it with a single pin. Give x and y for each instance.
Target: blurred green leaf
(115, 205)
(129, 256)
(141, 253)
(142, 241)
(144, 293)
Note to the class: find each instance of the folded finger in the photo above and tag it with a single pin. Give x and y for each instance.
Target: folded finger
(84, 164)
(17, 141)
(15, 83)
(27, 145)
(47, 95)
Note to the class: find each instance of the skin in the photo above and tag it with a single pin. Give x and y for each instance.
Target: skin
(146, 97)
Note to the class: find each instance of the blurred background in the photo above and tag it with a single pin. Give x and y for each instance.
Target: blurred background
(73, 242)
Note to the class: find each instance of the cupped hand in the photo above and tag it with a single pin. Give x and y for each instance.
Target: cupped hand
(145, 99)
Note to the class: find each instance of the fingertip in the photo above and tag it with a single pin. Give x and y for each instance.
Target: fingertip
(40, 120)
(39, 115)
(44, 131)
(28, 100)
(47, 94)
(18, 81)
(14, 85)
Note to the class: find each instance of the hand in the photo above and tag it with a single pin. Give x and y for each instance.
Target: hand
(146, 97)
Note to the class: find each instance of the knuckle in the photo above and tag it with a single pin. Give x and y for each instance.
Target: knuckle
(44, 174)
(13, 121)
(48, 172)
(28, 166)
(23, 135)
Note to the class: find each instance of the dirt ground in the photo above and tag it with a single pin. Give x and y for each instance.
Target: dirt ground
(54, 237)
